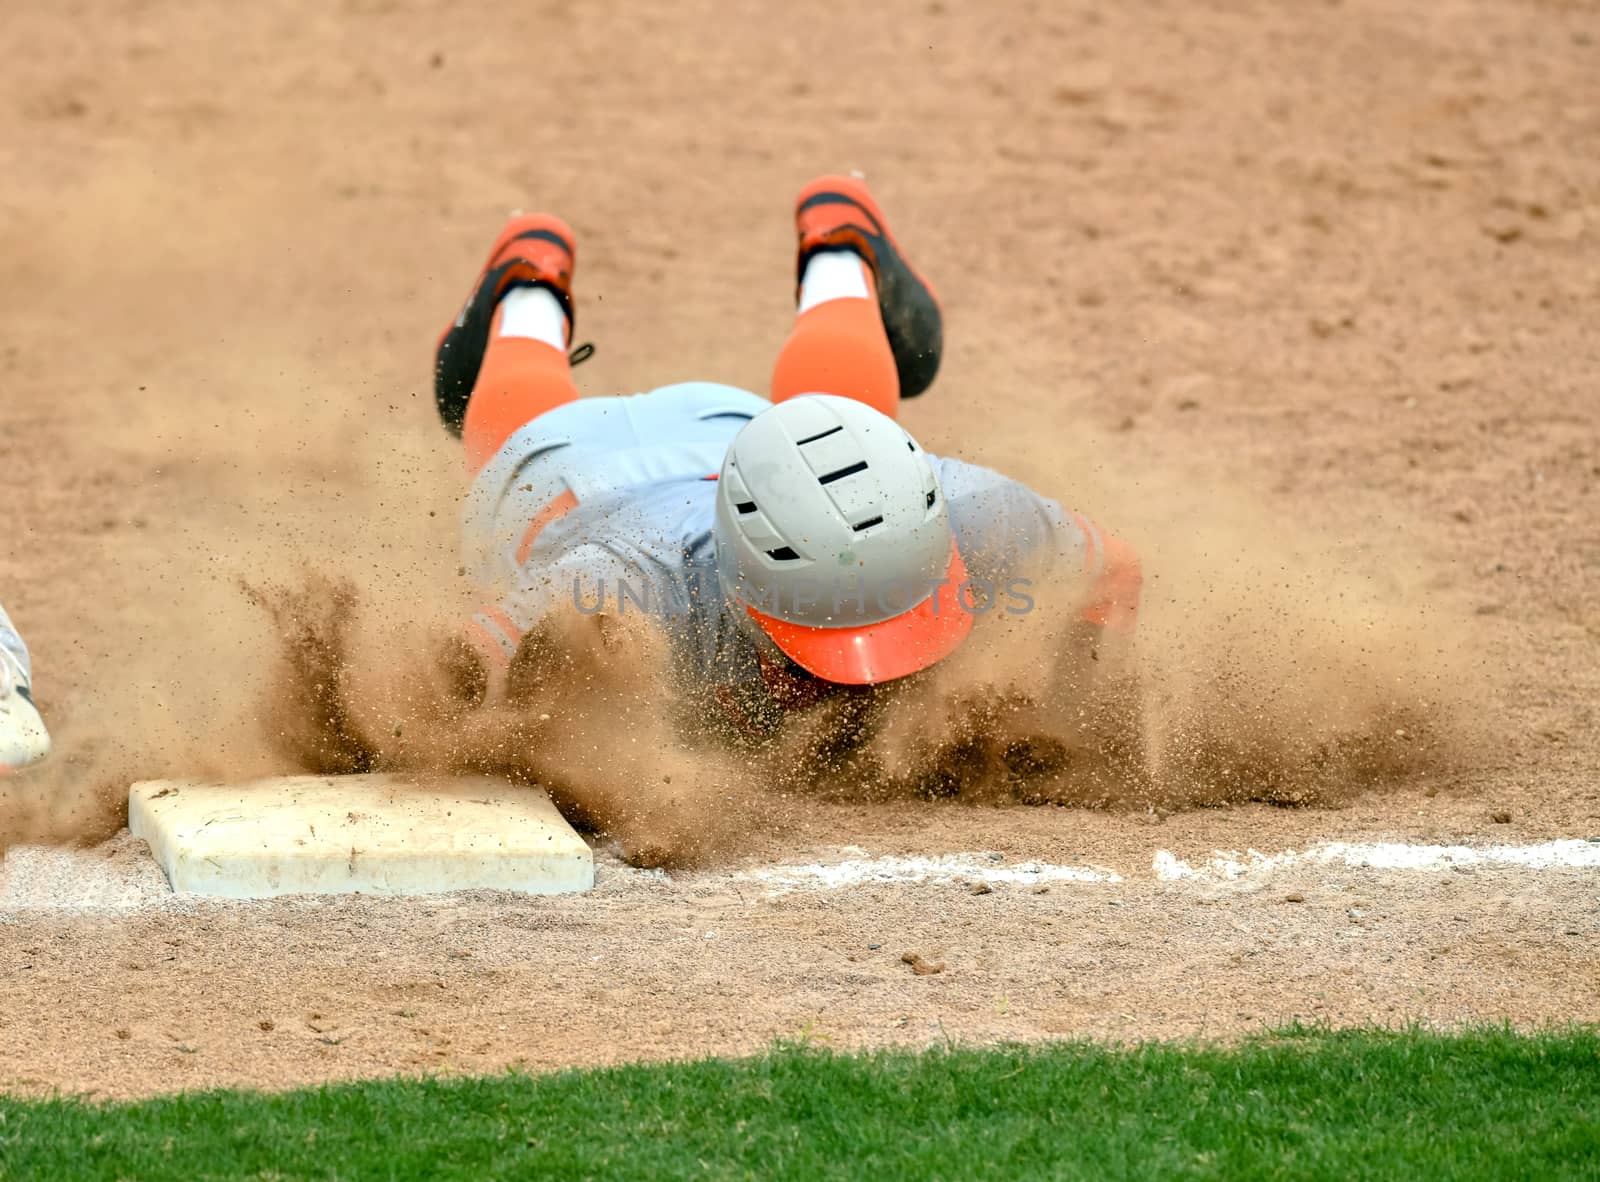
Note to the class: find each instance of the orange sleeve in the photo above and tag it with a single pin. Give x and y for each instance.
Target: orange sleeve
(1114, 595)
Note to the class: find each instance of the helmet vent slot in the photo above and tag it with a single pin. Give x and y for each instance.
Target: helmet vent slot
(818, 435)
(782, 554)
(868, 523)
(932, 497)
(745, 507)
(858, 466)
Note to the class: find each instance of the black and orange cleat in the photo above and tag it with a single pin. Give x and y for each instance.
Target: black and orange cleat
(838, 213)
(534, 250)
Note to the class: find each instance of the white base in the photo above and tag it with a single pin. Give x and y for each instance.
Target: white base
(379, 835)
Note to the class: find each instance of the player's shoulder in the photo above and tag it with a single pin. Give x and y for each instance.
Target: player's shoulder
(997, 520)
(960, 478)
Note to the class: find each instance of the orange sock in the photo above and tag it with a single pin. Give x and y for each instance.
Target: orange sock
(839, 347)
(521, 378)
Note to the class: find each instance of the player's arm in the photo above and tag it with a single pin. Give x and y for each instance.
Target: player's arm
(1004, 528)
(1115, 576)
(498, 647)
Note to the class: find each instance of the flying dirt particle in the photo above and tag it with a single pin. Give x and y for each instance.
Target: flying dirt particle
(920, 967)
(980, 888)
(1294, 897)
(1500, 817)
(124, 1034)
(1502, 226)
(1041, 889)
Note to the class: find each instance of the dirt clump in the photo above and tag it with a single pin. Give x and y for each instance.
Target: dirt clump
(921, 967)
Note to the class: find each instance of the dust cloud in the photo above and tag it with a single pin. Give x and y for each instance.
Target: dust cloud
(314, 629)
(1260, 671)
(586, 715)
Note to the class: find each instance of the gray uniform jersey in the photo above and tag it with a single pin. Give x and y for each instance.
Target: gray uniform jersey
(608, 504)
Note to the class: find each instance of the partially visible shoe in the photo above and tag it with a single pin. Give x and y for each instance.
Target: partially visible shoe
(534, 249)
(23, 739)
(838, 213)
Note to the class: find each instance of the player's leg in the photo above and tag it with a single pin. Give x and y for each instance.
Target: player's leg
(503, 362)
(525, 372)
(838, 345)
(23, 738)
(868, 326)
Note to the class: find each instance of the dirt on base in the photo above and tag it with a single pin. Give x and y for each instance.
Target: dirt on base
(1299, 299)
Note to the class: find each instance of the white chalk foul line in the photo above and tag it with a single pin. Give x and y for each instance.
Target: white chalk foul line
(863, 870)
(1227, 866)
(860, 869)
(115, 877)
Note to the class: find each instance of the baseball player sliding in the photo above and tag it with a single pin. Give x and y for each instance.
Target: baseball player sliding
(787, 545)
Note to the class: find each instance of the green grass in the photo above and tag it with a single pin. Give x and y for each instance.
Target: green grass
(1299, 1104)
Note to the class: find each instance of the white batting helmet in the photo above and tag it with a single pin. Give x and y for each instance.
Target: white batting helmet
(832, 533)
